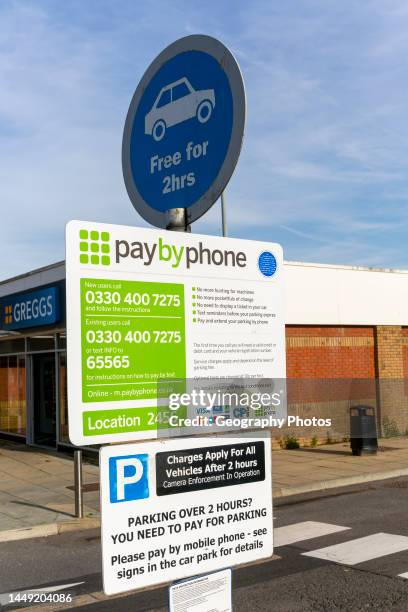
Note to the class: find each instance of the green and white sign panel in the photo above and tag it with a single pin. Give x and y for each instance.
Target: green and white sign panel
(147, 305)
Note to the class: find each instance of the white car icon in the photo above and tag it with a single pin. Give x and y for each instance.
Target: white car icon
(176, 103)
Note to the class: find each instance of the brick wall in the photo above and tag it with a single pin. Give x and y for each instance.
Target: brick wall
(390, 351)
(329, 369)
(330, 352)
(404, 339)
(391, 364)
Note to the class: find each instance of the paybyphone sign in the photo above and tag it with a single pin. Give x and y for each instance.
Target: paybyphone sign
(146, 305)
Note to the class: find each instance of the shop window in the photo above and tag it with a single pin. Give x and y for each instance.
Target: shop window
(62, 341)
(12, 345)
(63, 403)
(43, 342)
(13, 395)
(4, 421)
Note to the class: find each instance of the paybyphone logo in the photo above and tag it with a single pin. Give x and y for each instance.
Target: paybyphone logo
(128, 478)
(94, 247)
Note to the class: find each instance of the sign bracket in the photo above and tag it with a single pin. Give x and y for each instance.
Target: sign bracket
(178, 220)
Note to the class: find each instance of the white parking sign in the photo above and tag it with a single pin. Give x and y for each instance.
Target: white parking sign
(177, 508)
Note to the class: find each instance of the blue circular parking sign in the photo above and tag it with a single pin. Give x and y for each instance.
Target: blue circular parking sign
(184, 129)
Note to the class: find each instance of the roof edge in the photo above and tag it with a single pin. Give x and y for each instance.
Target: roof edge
(303, 264)
(58, 264)
(307, 264)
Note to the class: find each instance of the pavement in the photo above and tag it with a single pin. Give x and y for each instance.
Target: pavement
(332, 465)
(37, 498)
(35, 494)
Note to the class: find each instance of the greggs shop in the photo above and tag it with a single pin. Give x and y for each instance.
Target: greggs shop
(33, 383)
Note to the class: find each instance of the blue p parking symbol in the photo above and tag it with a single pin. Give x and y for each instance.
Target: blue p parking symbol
(128, 478)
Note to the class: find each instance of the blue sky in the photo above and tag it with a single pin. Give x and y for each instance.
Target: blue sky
(324, 167)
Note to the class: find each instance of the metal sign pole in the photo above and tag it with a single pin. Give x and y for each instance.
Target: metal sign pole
(79, 500)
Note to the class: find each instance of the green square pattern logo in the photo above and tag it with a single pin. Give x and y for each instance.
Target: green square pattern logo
(94, 247)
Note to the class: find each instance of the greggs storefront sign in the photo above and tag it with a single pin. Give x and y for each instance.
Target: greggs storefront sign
(32, 309)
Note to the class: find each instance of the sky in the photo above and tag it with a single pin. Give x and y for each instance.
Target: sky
(324, 165)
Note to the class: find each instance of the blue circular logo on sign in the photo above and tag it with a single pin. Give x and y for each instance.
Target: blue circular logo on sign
(184, 129)
(267, 263)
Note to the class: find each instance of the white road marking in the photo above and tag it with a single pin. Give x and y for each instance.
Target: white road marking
(5, 598)
(362, 549)
(404, 575)
(282, 536)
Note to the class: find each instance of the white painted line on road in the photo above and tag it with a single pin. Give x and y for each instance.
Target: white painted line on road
(282, 536)
(6, 598)
(362, 549)
(404, 575)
